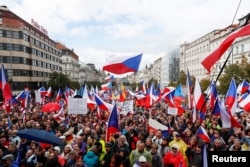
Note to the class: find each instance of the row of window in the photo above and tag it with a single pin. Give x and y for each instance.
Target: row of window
(22, 60)
(26, 73)
(25, 37)
(28, 50)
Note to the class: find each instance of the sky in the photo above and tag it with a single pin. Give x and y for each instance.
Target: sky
(97, 29)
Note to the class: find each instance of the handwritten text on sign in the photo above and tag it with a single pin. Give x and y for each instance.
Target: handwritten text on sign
(77, 106)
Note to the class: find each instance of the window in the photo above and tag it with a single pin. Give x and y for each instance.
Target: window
(34, 51)
(242, 48)
(24, 49)
(32, 40)
(24, 61)
(15, 35)
(8, 34)
(16, 47)
(16, 60)
(1, 33)
(9, 46)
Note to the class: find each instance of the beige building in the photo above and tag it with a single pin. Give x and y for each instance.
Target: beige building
(27, 52)
(70, 65)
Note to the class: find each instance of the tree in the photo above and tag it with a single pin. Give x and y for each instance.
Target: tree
(204, 84)
(231, 71)
(59, 80)
(182, 78)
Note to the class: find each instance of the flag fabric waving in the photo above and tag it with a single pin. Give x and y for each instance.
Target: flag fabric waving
(212, 58)
(123, 65)
(154, 125)
(202, 133)
(7, 93)
(113, 124)
(231, 97)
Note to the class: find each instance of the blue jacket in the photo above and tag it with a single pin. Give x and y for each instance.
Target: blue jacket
(91, 159)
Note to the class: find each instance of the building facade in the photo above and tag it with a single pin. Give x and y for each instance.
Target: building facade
(27, 52)
(70, 62)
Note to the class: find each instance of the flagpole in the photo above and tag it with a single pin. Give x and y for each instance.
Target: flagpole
(217, 78)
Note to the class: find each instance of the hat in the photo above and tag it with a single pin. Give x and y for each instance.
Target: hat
(8, 156)
(108, 144)
(177, 134)
(56, 148)
(142, 159)
(122, 150)
(175, 146)
(62, 137)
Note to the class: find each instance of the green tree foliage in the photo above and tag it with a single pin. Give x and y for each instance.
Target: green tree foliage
(182, 78)
(204, 84)
(59, 80)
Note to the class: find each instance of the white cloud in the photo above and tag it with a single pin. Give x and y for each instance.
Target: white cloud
(96, 28)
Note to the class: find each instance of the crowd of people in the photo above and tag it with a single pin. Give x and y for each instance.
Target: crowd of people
(84, 145)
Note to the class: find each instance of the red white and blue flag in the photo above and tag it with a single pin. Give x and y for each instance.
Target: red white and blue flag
(231, 97)
(4, 84)
(202, 133)
(123, 65)
(106, 86)
(113, 124)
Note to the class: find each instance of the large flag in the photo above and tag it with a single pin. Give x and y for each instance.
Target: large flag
(113, 124)
(212, 58)
(199, 100)
(202, 133)
(154, 125)
(123, 65)
(231, 98)
(7, 93)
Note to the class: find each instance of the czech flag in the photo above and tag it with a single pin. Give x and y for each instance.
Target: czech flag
(103, 105)
(117, 65)
(154, 125)
(113, 124)
(202, 133)
(106, 86)
(7, 93)
(231, 97)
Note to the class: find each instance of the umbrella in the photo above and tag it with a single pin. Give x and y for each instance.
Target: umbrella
(39, 136)
(51, 107)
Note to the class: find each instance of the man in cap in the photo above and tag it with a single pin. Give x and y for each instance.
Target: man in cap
(8, 161)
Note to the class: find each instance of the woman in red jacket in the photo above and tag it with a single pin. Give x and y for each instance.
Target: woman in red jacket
(174, 158)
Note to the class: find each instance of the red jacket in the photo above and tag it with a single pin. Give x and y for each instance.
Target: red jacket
(175, 160)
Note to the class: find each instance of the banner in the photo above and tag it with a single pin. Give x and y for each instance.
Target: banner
(172, 111)
(125, 107)
(77, 106)
(38, 97)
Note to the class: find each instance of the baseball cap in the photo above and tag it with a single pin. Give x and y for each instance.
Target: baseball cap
(175, 146)
(56, 148)
(142, 159)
